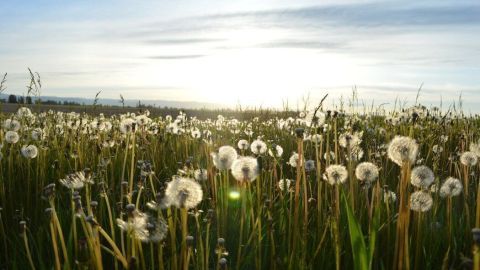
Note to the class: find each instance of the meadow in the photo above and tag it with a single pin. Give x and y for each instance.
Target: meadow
(317, 188)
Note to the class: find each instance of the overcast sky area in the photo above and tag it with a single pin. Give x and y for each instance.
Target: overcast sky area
(254, 53)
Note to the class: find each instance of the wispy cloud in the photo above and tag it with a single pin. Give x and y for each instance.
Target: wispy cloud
(175, 57)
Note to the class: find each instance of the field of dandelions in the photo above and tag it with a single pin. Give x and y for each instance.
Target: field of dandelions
(320, 190)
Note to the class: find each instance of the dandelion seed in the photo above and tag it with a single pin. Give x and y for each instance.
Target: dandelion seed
(366, 172)
(183, 193)
(402, 149)
(245, 169)
(422, 177)
(336, 174)
(469, 159)
(223, 160)
(421, 201)
(451, 187)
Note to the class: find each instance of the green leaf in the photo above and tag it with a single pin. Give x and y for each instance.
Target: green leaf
(359, 249)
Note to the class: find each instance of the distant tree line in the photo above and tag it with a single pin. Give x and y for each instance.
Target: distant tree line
(28, 100)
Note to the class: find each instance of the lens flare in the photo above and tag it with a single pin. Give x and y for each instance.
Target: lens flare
(234, 195)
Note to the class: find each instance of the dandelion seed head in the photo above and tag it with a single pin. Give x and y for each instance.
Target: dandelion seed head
(258, 147)
(245, 169)
(183, 192)
(11, 137)
(315, 119)
(366, 171)
(451, 187)
(422, 177)
(284, 184)
(347, 140)
(200, 175)
(223, 160)
(336, 174)
(421, 201)
(276, 152)
(243, 144)
(402, 149)
(76, 180)
(30, 151)
(135, 226)
(389, 196)
(11, 124)
(293, 160)
(475, 148)
(469, 159)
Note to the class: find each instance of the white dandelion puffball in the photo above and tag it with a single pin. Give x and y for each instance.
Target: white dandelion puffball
(243, 144)
(258, 147)
(422, 177)
(421, 201)
(11, 124)
(136, 226)
(24, 112)
(183, 193)
(316, 138)
(76, 180)
(29, 151)
(245, 169)
(347, 140)
(38, 134)
(336, 174)
(366, 171)
(200, 175)
(469, 159)
(389, 196)
(223, 160)
(475, 148)
(451, 187)
(12, 137)
(315, 119)
(157, 230)
(127, 125)
(277, 152)
(402, 149)
(284, 184)
(294, 159)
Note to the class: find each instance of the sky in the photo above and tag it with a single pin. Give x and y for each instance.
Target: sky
(254, 53)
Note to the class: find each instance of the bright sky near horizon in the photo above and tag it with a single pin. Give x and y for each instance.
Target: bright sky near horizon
(245, 52)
